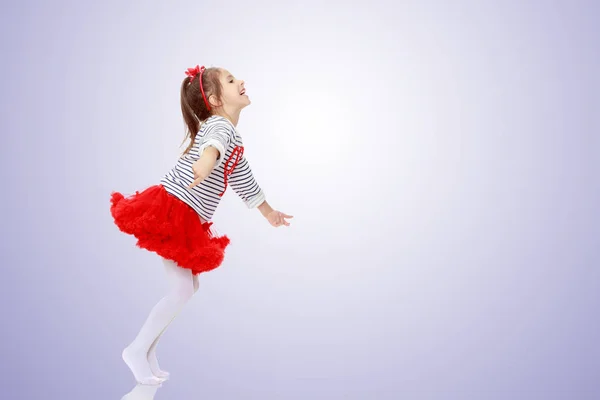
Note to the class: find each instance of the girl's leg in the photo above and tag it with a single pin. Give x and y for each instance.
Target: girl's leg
(196, 284)
(181, 289)
(155, 368)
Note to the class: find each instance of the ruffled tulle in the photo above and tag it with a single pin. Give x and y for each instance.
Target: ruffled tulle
(167, 226)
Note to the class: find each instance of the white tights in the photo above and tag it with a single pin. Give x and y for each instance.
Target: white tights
(140, 355)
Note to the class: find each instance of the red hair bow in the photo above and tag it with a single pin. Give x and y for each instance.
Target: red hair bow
(192, 72)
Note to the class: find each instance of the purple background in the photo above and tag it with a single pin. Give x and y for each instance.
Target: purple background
(440, 159)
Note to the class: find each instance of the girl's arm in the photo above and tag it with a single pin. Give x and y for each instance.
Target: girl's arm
(265, 209)
(243, 183)
(215, 142)
(204, 165)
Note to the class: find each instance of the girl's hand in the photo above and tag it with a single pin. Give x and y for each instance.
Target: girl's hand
(198, 174)
(277, 218)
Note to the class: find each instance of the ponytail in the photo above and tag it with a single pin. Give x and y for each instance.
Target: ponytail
(191, 120)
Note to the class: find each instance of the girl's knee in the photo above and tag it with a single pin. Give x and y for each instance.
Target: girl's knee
(185, 292)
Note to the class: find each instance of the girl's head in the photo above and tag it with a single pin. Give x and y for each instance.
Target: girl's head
(210, 91)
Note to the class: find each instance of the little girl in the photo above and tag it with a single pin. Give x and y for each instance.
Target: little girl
(172, 218)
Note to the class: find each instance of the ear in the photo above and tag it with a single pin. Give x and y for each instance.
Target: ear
(214, 102)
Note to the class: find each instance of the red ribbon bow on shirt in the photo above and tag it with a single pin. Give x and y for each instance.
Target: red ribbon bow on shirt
(238, 152)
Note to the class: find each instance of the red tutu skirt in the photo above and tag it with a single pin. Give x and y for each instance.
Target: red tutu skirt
(169, 227)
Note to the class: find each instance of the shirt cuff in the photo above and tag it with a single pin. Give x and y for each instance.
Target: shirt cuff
(257, 200)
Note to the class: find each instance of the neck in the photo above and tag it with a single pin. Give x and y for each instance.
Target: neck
(232, 116)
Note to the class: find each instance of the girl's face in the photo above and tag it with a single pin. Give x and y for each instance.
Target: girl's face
(234, 96)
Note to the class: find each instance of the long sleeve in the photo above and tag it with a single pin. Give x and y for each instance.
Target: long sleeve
(218, 136)
(244, 184)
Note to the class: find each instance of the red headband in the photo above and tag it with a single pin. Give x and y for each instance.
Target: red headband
(192, 72)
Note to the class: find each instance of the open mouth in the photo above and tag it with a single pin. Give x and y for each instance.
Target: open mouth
(243, 92)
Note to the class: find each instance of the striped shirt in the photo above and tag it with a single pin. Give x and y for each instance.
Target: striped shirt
(204, 198)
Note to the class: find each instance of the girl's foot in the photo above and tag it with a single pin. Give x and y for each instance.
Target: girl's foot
(156, 371)
(140, 392)
(138, 364)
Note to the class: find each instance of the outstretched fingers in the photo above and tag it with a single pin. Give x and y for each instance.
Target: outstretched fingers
(196, 182)
(282, 218)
